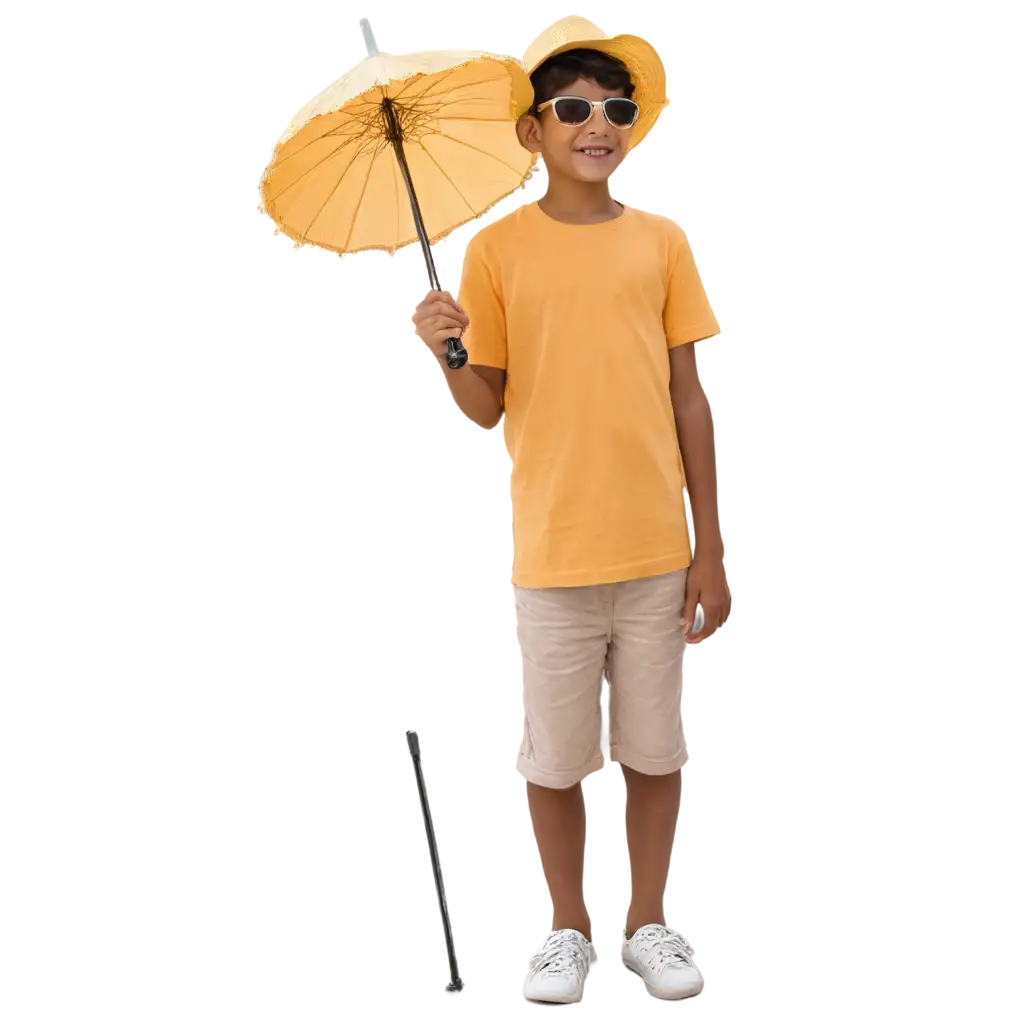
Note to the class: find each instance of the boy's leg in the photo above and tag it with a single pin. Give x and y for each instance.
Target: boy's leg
(652, 807)
(645, 675)
(564, 634)
(646, 661)
(555, 818)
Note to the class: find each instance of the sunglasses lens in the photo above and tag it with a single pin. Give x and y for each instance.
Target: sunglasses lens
(569, 110)
(621, 112)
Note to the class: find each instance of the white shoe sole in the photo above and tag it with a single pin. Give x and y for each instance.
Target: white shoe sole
(554, 999)
(564, 1000)
(667, 993)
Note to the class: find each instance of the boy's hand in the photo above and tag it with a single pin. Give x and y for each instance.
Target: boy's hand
(437, 318)
(706, 586)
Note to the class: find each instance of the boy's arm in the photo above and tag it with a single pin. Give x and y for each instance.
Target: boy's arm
(688, 318)
(478, 390)
(696, 434)
(706, 582)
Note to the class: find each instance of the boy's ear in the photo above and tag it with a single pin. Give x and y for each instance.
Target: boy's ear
(528, 130)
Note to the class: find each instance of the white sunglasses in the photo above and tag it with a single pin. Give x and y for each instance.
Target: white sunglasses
(578, 110)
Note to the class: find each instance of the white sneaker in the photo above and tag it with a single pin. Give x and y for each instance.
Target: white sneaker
(664, 959)
(560, 967)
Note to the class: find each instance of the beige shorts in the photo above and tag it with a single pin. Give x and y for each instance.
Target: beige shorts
(571, 639)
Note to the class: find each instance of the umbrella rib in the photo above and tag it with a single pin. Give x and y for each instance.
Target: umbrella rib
(465, 85)
(485, 152)
(363, 100)
(348, 142)
(330, 196)
(367, 105)
(448, 179)
(309, 170)
(352, 225)
(412, 80)
(448, 92)
(342, 131)
(490, 120)
(364, 136)
(400, 93)
(331, 133)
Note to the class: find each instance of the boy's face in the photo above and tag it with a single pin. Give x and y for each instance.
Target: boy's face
(562, 145)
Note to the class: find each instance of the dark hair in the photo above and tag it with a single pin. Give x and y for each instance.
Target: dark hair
(564, 68)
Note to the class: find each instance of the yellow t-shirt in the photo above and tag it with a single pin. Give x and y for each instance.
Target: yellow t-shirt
(581, 318)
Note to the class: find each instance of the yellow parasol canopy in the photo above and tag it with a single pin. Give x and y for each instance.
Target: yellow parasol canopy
(335, 178)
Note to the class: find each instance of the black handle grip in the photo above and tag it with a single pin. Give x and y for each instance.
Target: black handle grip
(457, 354)
(414, 743)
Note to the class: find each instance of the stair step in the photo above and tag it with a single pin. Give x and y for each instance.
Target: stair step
(493, 880)
(477, 835)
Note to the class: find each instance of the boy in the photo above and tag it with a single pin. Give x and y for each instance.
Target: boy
(578, 313)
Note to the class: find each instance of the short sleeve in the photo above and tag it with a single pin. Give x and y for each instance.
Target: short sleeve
(688, 316)
(484, 338)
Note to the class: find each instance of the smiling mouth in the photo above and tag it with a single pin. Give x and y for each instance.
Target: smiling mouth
(594, 154)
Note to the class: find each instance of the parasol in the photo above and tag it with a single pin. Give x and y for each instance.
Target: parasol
(444, 119)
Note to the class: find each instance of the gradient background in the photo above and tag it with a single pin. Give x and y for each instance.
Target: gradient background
(243, 541)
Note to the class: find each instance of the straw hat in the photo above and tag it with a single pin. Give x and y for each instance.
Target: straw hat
(642, 60)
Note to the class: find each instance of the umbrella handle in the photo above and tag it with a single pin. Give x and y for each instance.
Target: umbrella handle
(457, 354)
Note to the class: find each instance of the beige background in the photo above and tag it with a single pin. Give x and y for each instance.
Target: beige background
(242, 542)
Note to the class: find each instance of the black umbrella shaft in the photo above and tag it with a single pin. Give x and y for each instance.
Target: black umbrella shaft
(395, 138)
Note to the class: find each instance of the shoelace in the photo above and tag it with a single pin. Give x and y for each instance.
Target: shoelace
(665, 946)
(562, 953)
